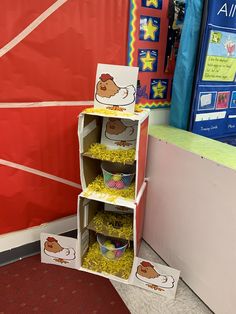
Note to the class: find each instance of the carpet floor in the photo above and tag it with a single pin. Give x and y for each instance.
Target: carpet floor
(28, 286)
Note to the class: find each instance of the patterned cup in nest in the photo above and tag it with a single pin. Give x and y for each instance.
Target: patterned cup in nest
(117, 176)
(110, 248)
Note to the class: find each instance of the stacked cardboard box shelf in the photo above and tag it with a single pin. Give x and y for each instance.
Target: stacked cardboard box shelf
(117, 214)
(110, 221)
(113, 150)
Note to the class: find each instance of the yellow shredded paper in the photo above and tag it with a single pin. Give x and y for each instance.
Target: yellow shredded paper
(121, 267)
(108, 112)
(108, 222)
(101, 152)
(98, 186)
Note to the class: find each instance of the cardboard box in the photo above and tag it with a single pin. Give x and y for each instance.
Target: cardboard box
(110, 224)
(73, 253)
(88, 207)
(92, 130)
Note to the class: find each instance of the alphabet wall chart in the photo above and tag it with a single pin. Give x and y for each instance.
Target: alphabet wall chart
(214, 102)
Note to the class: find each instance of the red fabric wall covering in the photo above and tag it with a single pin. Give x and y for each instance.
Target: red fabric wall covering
(58, 60)
(15, 15)
(43, 138)
(29, 200)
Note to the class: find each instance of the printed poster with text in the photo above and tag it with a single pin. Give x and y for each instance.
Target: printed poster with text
(214, 101)
(220, 64)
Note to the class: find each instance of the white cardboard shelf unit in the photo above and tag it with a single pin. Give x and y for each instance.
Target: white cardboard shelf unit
(92, 129)
(142, 273)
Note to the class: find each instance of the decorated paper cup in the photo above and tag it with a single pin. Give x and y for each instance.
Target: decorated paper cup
(111, 249)
(117, 176)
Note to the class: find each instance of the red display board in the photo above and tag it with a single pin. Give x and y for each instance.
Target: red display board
(39, 165)
(57, 60)
(49, 52)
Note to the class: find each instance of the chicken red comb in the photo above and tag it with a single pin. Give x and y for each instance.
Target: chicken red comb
(105, 77)
(51, 239)
(146, 264)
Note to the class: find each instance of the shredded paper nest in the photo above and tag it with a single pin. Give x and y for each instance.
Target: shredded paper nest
(96, 262)
(108, 112)
(113, 224)
(98, 186)
(101, 152)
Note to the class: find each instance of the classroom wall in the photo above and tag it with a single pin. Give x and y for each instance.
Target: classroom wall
(190, 218)
(159, 116)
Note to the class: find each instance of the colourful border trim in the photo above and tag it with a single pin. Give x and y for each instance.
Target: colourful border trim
(131, 34)
(134, 5)
(154, 105)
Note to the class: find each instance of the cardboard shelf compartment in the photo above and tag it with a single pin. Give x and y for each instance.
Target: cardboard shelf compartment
(114, 133)
(91, 256)
(113, 224)
(127, 134)
(92, 169)
(96, 262)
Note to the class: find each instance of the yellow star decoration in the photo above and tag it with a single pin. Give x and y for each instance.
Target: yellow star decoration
(149, 30)
(154, 3)
(158, 90)
(147, 61)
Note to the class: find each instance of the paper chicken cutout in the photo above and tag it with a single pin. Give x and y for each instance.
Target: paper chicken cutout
(108, 93)
(115, 87)
(59, 254)
(147, 273)
(121, 132)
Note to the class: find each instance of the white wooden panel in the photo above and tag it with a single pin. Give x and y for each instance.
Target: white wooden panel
(191, 221)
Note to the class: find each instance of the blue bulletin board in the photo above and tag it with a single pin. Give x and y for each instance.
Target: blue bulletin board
(214, 100)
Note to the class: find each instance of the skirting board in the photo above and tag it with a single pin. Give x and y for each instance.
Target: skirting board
(26, 250)
(9, 241)
(190, 220)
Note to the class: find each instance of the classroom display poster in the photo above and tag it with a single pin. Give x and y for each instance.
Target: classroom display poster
(220, 64)
(214, 99)
(215, 114)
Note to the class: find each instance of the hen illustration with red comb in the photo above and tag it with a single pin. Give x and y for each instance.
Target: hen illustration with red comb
(109, 94)
(53, 249)
(146, 272)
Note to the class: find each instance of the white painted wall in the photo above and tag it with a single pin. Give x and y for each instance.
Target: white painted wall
(159, 116)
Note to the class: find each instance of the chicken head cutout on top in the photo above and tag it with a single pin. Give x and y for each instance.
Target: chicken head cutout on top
(109, 93)
(106, 87)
